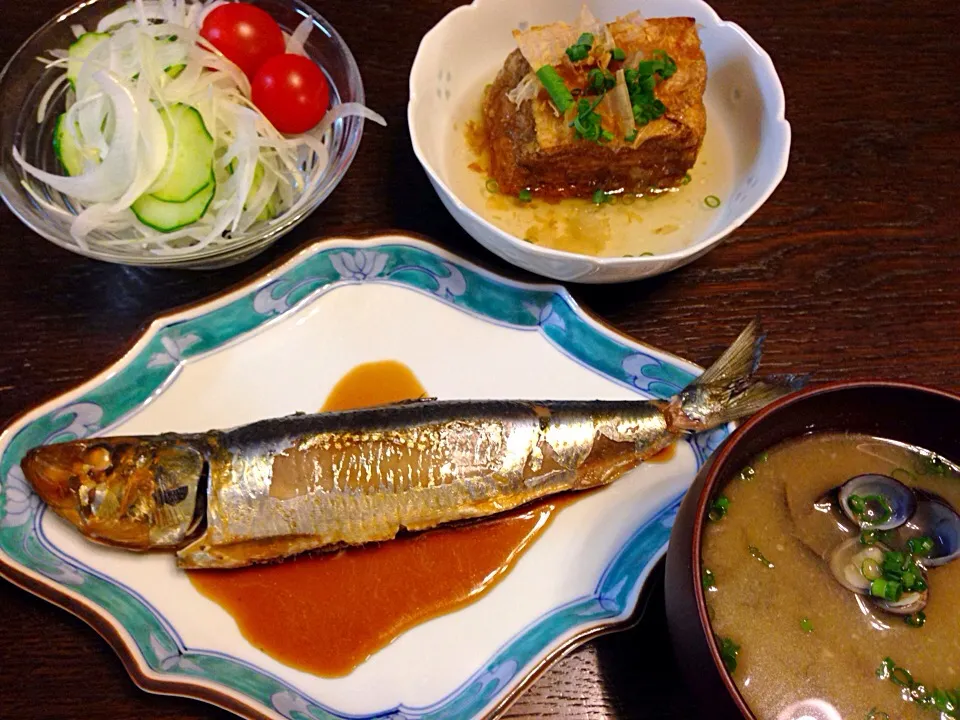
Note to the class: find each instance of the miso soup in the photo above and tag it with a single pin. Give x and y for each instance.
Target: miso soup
(831, 584)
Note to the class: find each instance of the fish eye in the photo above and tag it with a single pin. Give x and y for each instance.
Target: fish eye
(98, 459)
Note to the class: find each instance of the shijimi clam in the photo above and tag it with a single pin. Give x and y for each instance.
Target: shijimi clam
(927, 529)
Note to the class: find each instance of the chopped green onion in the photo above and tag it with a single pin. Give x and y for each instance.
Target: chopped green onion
(933, 464)
(525, 195)
(916, 620)
(728, 653)
(587, 123)
(875, 714)
(806, 625)
(868, 537)
(600, 197)
(492, 186)
(894, 563)
(605, 136)
(686, 179)
(886, 589)
(870, 569)
(711, 201)
(856, 504)
(631, 137)
(595, 80)
(557, 90)
(747, 473)
(580, 49)
(646, 254)
(921, 546)
(760, 557)
(661, 65)
(708, 581)
(629, 199)
(618, 54)
(889, 670)
(600, 80)
(641, 82)
(944, 702)
(883, 672)
(902, 677)
(719, 508)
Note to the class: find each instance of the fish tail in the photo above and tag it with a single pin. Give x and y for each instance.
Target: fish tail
(728, 390)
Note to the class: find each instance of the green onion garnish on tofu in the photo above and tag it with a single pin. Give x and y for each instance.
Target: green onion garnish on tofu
(557, 90)
(581, 48)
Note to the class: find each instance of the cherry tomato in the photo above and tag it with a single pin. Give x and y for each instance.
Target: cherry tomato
(245, 34)
(292, 92)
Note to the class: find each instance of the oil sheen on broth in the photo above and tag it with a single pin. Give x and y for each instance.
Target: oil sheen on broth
(802, 635)
(653, 224)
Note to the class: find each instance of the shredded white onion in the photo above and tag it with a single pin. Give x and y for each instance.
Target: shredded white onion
(45, 100)
(345, 110)
(113, 116)
(622, 107)
(526, 89)
(298, 39)
(119, 167)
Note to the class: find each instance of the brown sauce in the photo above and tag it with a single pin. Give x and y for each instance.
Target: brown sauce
(327, 613)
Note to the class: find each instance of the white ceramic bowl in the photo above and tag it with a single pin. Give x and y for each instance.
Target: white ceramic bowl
(744, 99)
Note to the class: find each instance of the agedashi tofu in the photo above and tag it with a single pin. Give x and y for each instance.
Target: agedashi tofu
(593, 106)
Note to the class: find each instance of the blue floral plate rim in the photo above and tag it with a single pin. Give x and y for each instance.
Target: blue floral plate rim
(151, 650)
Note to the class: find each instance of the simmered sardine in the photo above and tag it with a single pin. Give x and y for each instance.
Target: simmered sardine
(307, 482)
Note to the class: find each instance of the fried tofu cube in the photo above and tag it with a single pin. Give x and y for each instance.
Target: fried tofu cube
(534, 146)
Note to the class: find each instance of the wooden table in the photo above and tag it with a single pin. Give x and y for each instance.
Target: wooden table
(853, 264)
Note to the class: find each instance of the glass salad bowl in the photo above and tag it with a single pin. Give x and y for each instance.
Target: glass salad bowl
(25, 81)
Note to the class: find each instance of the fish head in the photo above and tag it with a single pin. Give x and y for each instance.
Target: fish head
(138, 493)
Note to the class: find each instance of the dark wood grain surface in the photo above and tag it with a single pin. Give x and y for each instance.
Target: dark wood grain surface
(854, 264)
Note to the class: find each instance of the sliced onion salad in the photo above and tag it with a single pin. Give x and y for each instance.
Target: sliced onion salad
(113, 113)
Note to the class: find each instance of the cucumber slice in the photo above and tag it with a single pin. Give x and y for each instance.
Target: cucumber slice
(78, 52)
(170, 216)
(272, 208)
(189, 155)
(66, 148)
(269, 211)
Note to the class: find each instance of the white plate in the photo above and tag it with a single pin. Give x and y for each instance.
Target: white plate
(744, 102)
(277, 346)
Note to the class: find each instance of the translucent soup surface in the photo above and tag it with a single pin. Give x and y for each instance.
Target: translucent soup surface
(805, 646)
